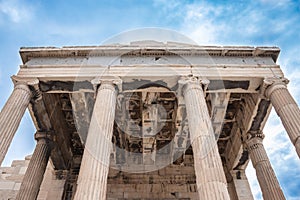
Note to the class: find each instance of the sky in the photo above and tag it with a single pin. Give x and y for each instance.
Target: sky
(246, 23)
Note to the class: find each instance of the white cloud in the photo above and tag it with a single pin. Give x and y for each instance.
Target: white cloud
(17, 11)
(276, 3)
(244, 23)
(198, 23)
(167, 4)
(211, 24)
(201, 25)
(196, 20)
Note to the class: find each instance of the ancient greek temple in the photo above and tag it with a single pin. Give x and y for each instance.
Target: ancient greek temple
(146, 121)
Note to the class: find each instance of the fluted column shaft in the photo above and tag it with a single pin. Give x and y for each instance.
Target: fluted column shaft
(92, 180)
(267, 180)
(35, 172)
(287, 109)
(11, 115)
(210, 177)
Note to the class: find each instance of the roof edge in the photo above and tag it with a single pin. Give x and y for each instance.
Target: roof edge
(27, 53)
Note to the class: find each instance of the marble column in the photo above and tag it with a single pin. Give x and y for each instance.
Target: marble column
(210, 177)
(92, 180)
(240, 185)
(267, 180)
(11, 115)
(35, 172)
(286, 108)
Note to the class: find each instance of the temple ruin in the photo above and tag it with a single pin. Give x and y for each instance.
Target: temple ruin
(145, 121)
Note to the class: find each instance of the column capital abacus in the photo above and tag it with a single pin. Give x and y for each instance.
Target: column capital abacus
(271, 84)
(255, 134)
(187, 83)
(24, 81)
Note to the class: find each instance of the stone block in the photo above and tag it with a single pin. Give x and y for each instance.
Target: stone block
(8, 185)
(4, 176)
(17, 186)
(116, 195)
(15, 177)
(157, 188)
(18, 163)
(22, 170)
(42, 195)
(7, 170)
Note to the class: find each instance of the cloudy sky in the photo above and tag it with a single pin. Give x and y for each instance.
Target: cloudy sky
(77, 22)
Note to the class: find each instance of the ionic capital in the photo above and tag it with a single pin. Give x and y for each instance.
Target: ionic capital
(272, 84)
(25, 83)
(187, 83)
(254, 139)
(48, 136)
(106, 83)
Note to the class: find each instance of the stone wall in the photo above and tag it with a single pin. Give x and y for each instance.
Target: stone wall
(171, 182)
(11, 179)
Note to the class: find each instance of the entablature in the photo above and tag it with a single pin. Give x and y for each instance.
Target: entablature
(27, 53)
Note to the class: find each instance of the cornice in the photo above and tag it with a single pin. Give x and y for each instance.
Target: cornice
(135, 50)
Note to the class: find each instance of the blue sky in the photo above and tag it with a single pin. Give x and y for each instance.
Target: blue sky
(77, 22)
